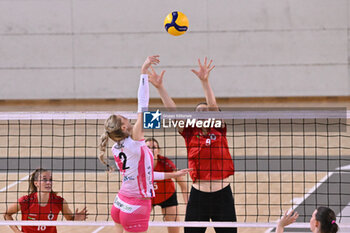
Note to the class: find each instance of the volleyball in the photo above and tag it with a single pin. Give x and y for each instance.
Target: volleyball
(176, 23)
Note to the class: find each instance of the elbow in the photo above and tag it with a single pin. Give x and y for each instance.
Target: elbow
(7, 216)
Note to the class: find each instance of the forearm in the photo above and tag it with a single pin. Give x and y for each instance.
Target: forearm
(209, 94)
(184, 191)
(166, 99)
(185, 197)
(142, 100)
(143, 93)
(15, 229)
(165, 175)
(183, 186)
(10, 218)
(279, 229)
(170, 175)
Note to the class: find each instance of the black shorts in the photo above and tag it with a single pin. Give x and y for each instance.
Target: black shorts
(171, 201)
(217, 206)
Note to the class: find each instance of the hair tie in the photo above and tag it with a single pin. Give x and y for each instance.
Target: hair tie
(333, 221)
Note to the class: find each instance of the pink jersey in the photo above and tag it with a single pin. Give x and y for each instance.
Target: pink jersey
(135, 162)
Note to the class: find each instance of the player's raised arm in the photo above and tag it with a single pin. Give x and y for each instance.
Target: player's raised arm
(203, 74)
(157, 82)
(143, 96)
(286, 220)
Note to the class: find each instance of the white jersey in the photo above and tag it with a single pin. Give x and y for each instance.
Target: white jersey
(135, 162)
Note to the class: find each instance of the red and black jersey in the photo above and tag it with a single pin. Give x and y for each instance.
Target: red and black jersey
(32, 211)
(164, 189)
(208, 155)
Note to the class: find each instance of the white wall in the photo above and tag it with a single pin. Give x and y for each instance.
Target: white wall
(80, 49)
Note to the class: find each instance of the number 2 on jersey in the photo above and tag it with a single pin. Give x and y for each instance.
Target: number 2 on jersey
(122, 157)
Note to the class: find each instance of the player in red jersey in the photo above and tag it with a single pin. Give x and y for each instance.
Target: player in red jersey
(165, 189)
(42, 204)
(208, 155)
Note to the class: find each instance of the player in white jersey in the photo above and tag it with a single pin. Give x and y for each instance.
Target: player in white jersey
(132, 206)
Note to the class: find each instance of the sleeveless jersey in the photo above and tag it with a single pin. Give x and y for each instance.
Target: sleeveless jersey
(135, 162)
(32, 211)
(208, 155)
(164, 188)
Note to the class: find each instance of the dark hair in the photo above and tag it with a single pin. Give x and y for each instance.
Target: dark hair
(153, 140)
(326, 217)
(202, 103)
(34, 177)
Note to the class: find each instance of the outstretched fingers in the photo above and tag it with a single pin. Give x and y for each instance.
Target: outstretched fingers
(210, 69)
(80, 215)
(199, 62)
(162, 74)
(154, 60)
(195, 72)
(154, 78)
(150, 60)
(209, 63)
(295, 216)
(291, 217)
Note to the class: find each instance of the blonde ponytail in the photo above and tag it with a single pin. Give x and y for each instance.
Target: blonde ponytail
(113, 130)
(103, 146)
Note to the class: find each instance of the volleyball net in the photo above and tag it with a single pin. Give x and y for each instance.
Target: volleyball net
(284, 160)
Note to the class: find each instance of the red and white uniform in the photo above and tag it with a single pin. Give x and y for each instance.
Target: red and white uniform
(135, 161)
(208, 155)
(32, 211)
(164, 188)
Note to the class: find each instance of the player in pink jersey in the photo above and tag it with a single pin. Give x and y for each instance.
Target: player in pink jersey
(42, 204)
(132, 206)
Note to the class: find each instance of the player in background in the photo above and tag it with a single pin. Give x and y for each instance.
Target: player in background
(42, 203)
(323, 220)
(166, 196)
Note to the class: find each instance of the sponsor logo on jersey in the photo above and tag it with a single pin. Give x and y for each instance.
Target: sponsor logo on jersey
(119, 145)
(126, 178)
(50, 216)
(125, 207)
